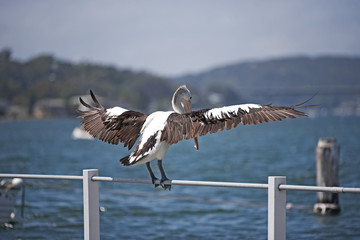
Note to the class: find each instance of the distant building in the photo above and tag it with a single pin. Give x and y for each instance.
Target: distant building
(12, 111)
(49, 108)
(16, 112)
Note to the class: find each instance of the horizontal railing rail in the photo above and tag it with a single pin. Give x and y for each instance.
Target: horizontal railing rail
(186, 183)
(319, 189)
(276, 187)
(41, 176)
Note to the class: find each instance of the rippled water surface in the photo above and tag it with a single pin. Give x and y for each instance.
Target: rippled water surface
(53, 209)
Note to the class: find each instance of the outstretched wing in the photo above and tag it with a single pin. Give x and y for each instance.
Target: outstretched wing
(112, 125)
(199, 123)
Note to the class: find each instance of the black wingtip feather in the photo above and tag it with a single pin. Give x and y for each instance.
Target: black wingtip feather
(301, 105)
(85, 104)
(125, 160)
(97, 104)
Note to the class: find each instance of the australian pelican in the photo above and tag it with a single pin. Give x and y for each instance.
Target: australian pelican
(161, 129)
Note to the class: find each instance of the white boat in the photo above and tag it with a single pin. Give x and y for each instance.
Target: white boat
(79, 133)
(9, 189)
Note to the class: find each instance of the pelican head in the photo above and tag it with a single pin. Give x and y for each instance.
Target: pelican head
(181, 103)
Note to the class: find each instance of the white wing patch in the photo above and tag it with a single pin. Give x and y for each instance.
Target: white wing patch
(217, 113)
(115, 111)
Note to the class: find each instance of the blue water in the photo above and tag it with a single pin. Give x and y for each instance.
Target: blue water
(53, 209)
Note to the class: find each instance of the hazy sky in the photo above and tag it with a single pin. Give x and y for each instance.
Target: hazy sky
(177, 37)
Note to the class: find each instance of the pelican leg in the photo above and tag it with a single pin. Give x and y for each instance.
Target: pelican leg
(163, 177)
(153, 178)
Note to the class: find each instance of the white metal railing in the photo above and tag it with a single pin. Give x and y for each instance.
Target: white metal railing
(276, 187)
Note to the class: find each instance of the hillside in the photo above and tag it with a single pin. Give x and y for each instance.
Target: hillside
(45, 86)
(286, 80)
(25, 85)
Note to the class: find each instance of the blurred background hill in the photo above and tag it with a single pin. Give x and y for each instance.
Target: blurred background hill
(45, 86)
(291, 80)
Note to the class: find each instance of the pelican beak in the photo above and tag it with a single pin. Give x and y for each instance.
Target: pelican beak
(188, 109)
(187, 106)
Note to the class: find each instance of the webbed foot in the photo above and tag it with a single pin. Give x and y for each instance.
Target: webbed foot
(164, 185)
(163, 177)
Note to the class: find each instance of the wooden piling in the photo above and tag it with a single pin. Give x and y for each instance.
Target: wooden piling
(327, 175)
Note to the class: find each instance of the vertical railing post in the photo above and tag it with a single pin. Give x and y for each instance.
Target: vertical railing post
(91, 205)
(276, 209)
